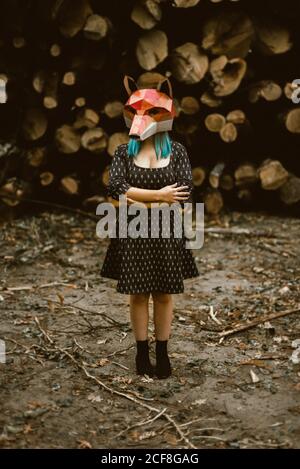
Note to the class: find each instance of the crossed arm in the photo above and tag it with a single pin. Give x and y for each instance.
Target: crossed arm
(180, 191)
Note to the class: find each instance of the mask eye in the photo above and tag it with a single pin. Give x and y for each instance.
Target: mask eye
(154, 111)
(130, 109)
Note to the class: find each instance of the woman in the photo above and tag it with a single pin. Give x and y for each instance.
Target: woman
(150, 168)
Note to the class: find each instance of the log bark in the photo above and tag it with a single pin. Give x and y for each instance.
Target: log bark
(96, 27)
(230, 34)
(227, 74)
(210, 100)
(50, 91)
(113, 109)
(19, 42)
(215, 122)
(67, 139)
(215, 175)
(69, 78)
(292, 120)
(229, 133)
(266, 89)
(12, 192)
(95, 140)
(236, 117)
(290, 190)
(189, 63)
(69, 185)
(245, 194)
(272, 38)
(198, 175)
(226, 182)
(146, 13)
(86, 118)
(36, 156)
(272, 174)
(152, 49)
(46, 178)
(67, 99)
(213, 201)
(149, 79)
(71, 16)
(35, 124)
(115, 140)
(189, 105)
(55, 50)
(186, 3)
(245, 174)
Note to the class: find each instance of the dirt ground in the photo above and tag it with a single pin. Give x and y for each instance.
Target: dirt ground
(69, 379)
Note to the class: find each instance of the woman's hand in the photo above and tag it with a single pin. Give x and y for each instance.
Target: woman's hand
(171, 194)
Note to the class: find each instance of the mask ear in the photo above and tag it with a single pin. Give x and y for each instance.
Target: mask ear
(126, 84)
(159, 86)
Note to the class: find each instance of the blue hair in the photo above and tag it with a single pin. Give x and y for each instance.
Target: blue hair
(162, 143)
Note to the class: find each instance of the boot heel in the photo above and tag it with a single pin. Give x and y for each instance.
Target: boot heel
(163, 367)
(142, 360)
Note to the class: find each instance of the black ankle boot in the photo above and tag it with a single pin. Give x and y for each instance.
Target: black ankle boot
(142, 360)
(163, 367)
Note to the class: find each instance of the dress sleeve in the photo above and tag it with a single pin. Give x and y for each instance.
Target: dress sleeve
(184, 171)
(117, 184)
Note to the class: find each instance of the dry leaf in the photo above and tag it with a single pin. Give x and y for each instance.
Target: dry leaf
(146, 435)
(27, 429)
(102, 341)
(102, 362)
(61, 298)
(83, 444)
(171, 438)
(35, 404)
(122, 379)
(254, 377)
(199, 402)
(94, 397)
(258, 363)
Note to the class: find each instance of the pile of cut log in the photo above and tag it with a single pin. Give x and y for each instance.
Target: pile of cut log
(233, 66)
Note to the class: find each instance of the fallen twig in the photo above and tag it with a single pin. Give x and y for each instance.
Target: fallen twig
(242, 231)
(113, 391)
(275, 250)
(80, 346)
(258, 321)
(213, 315)
(43, 331)
(85, 310)
(208, 437)
(139, 424)
(64, 208)
(120, 365)
(56, 284)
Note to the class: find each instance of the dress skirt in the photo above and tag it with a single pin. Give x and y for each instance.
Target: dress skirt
(149, 264)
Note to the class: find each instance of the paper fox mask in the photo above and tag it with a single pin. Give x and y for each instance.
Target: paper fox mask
(148, 110)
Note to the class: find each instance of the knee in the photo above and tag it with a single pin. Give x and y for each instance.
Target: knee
(139, 298)
(162, 298)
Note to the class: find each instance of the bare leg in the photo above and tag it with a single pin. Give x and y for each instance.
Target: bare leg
(162, 314)
(139, 314)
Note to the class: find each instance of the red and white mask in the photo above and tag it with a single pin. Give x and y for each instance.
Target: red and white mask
(148, 110)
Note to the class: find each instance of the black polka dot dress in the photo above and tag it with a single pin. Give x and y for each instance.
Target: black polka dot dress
(147, 263)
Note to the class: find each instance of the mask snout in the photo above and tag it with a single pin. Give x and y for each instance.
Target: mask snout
(140, 125)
